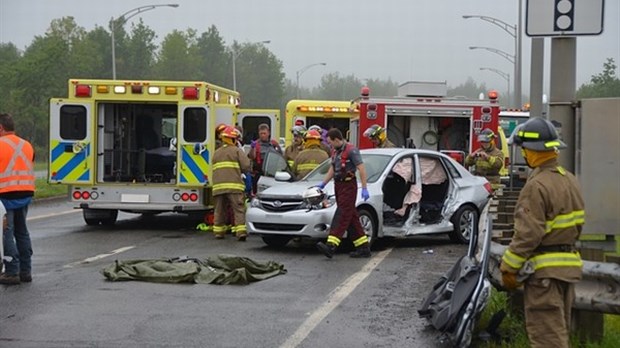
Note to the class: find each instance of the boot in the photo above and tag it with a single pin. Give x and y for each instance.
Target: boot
(25, 277)
(242, 237)
(361, 252)
(8, 279)
(327, 249)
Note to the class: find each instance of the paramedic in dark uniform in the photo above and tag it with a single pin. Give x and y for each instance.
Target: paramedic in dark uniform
(345, 160)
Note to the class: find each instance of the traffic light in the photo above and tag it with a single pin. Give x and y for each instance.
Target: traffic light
(563, 17)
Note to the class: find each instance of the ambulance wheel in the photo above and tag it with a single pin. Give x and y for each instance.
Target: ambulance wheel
(110, 219)
(465, 222)
(369, 224)
(276, 241)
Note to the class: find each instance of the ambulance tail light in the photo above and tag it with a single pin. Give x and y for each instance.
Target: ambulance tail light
(171, 90)
(77, 195)
(193, 197)
(83, 91)
(185, 197)
(190, 93)
(102, 89)
(136, 89)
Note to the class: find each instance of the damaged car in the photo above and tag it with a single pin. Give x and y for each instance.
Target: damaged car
(412, 192)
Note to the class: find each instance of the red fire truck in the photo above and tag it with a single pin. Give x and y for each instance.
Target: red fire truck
(422, 116)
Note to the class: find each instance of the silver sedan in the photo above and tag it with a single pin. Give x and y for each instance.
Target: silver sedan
(412, 192)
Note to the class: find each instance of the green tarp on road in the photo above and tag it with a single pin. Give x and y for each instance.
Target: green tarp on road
(220, 269)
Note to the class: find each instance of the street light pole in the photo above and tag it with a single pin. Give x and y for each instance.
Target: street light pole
(515, 32)
(505, 75)
(235, 54)
(300, 72)
(122, 19)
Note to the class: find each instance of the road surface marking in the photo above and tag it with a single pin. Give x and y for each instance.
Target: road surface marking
(99, 257)
(333, 300)
(38, 217)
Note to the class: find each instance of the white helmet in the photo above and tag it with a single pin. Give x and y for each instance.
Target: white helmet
(313, 195)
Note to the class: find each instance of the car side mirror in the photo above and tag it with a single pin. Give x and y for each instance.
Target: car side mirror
(283, 176)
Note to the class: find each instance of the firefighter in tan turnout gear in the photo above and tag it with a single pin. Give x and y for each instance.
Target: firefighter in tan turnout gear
(229, 162)
(548, 220)
(311, 156)
(488, 159)
(378, 136)
(291, 151)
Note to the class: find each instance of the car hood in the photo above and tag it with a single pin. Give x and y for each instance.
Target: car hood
(291, 190)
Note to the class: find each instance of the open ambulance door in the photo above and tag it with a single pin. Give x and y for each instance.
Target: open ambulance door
(249, 119)
(72, 152)
(193, 153)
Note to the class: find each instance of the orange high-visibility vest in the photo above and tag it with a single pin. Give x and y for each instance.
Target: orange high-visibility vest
(16, 164)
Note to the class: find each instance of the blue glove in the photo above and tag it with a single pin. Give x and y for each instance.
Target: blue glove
(365, 194)
(321, 185)
(253, 144)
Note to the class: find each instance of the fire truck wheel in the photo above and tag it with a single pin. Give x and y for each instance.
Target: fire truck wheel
(465, 222)
(276, 241)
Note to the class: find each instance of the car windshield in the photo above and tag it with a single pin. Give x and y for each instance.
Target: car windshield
(375, 165)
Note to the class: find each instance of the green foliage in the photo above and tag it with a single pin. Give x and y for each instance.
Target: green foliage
(46, 190)
(469, 89)
(603, 85)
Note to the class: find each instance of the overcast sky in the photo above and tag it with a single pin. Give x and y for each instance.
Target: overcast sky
(398, 39)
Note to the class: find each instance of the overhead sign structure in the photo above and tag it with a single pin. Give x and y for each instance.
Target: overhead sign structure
(564, 17)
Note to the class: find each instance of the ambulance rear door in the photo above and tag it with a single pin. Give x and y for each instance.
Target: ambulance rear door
(193, 153)
(72, 143)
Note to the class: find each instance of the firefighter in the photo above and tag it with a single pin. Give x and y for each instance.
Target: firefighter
(311, 156)
(548, 220)
(218, 132)
(324, 142)
(378, 136)
(229, 161)
(345, 160)
(259, 149)
(488, 159)
(291, 151)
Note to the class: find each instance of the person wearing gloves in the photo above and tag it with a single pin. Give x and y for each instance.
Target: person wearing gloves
(345, 161)
(549, 217)
(488, 159)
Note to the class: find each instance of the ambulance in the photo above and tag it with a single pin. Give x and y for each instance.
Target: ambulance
(422, 116)
(324, 113)
(141, 146)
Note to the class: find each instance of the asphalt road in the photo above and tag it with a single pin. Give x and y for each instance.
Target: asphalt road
(341, 302)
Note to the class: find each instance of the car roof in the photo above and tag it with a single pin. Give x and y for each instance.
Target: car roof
(399, 150)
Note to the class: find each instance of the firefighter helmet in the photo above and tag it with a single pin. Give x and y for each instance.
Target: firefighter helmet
(537, 134)
(220, 127)
(486, 136)
(375, 132)
(298, 131)
(312, 134)
(229, 132)
(313, 195)
(316, 127)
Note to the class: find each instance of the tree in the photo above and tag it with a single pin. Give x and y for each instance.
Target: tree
(178, 57)
(214, 62)
(603, 85)
(262, 76)
(140, 52)
(470, 89)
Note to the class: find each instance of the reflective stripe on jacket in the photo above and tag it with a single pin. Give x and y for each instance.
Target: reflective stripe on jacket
(16, 164)
(307, 160)
(549, 213)
(228, 164)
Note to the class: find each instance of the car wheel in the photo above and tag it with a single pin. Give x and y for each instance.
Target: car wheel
(465, 222)
(369, 224)
(276, 241)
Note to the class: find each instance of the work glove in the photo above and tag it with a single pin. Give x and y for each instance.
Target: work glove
(253, 144)
(321, 185)
(510, 280)
(365, 194)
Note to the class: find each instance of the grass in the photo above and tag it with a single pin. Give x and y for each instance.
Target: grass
(40, 166)
(46, 190)
(512, 328)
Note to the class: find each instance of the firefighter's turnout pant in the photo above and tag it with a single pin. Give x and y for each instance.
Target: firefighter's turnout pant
(346, 217)
(548, 305)
(236, 202)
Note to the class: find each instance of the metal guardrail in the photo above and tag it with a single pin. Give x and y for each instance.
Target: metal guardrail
(598, 291)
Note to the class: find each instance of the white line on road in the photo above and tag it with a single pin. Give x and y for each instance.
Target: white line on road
(38, 217)
(99, 257)
(333, 300)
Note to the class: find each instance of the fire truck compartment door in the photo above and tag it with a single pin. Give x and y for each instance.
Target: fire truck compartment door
(193, 154)
(72, 151)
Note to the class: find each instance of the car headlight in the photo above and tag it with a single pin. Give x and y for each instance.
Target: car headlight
(254, 203)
